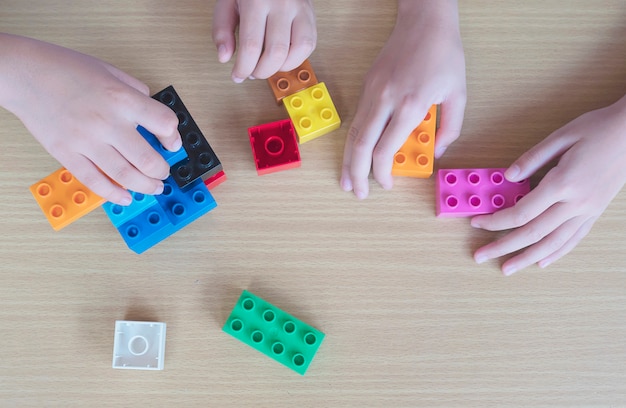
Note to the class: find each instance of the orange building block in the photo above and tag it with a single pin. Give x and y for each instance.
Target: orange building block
(63, 199)
(287, 83)
(416, 157)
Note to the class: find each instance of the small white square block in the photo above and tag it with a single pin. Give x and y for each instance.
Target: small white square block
(139, 345)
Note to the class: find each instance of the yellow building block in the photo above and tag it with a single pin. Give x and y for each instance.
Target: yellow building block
(416, 156)
(312, 112)
(63, 199)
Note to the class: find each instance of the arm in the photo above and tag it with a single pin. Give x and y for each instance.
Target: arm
(552, 219)
(85, 113)
(274, 35)
(421, 64)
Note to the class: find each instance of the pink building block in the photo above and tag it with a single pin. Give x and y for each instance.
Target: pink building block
(467, 192)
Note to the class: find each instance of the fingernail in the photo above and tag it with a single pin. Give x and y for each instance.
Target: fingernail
(158, 190)
(475, 224)
(544, 264)
(480, 259)
(360, 194)
(512, 172)
(346, 185)
(251, 77)
(237, 80)
(176, 145)
(440, 151)
(221, 53)
(509, 270)
(126, 200)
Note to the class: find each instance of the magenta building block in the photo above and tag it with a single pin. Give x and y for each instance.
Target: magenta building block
(467, 192)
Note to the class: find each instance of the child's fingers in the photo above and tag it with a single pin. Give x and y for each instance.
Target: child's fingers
(112, 163)
(88, 174)
(157, 118)
(225, 19)
(539, 155)
(252, 23)
(451, 122)
(364, 133)
(570, 244)
(276, 45)
(127, 79)
(402, 123)
(142, 156)
(303, 41)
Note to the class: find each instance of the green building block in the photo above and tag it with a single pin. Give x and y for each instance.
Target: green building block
(273, 332)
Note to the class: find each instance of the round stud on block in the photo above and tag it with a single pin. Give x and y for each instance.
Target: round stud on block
(57, 211)
(278, 348)
(192, 139)
(167, 98)
(304, 76)
(497, 201)
(317, 94)
(497, 178)
(450, 179)
(422, 160)
(65, 177)
(236, 325)
(154, 218)
(305, 123)
(283, 84)
(296, 102)
(427, 117)
(310, 339)
(132, 231)
(289, 327)
(257, 336)
(423, 138)
(182, 118)
(475, 201)
(44, 190)
(79, 197)
(117, 209)
(205, 160)
(269, 316)
(183, 172)
(178, 210)
(199, 197)
(248, 304)
(298, 360)
(274, 145)
(326, 114)
(473, 178)
(138, 345)
(399, 158)
(452, 201)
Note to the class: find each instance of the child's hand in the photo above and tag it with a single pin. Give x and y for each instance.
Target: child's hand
(552, 219)
(274, 35)
(421, 64)
(85, 113)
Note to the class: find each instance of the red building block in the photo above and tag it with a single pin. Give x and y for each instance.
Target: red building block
(215, 180)
(274, 147)
(416, 157)
(63, 199)
(466, 192)
(287, 83)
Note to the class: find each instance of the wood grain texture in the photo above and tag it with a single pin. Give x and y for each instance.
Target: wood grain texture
(410, 319)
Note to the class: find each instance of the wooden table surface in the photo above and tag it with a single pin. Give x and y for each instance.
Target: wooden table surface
(410, 319)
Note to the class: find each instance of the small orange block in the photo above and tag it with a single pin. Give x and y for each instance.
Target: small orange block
(312, 112)
(287, 83)
(63, 199)
(416, 157)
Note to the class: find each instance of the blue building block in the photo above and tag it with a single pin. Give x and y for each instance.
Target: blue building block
(170, 157)
(273, 332)
(119, 214)
(171, 211)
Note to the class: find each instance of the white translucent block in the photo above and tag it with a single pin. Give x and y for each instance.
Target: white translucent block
(139, 345)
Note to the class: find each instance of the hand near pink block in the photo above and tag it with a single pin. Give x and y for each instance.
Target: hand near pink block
(553, 218)
(274, 35)
(421, 64)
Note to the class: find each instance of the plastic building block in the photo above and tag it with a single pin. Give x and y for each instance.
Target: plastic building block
(274, 147)
(170, 157)
(416, 157)
(287, 83)
(174, 209)
(139, 345)
(273, 332)
(466, 192)
(119, 214)
(63, 199)
(312, 112)
(201, 160)
(215, 180)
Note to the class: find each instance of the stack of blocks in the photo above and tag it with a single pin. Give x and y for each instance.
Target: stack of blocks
(312, 114)
(148, 219)
(467, 192)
